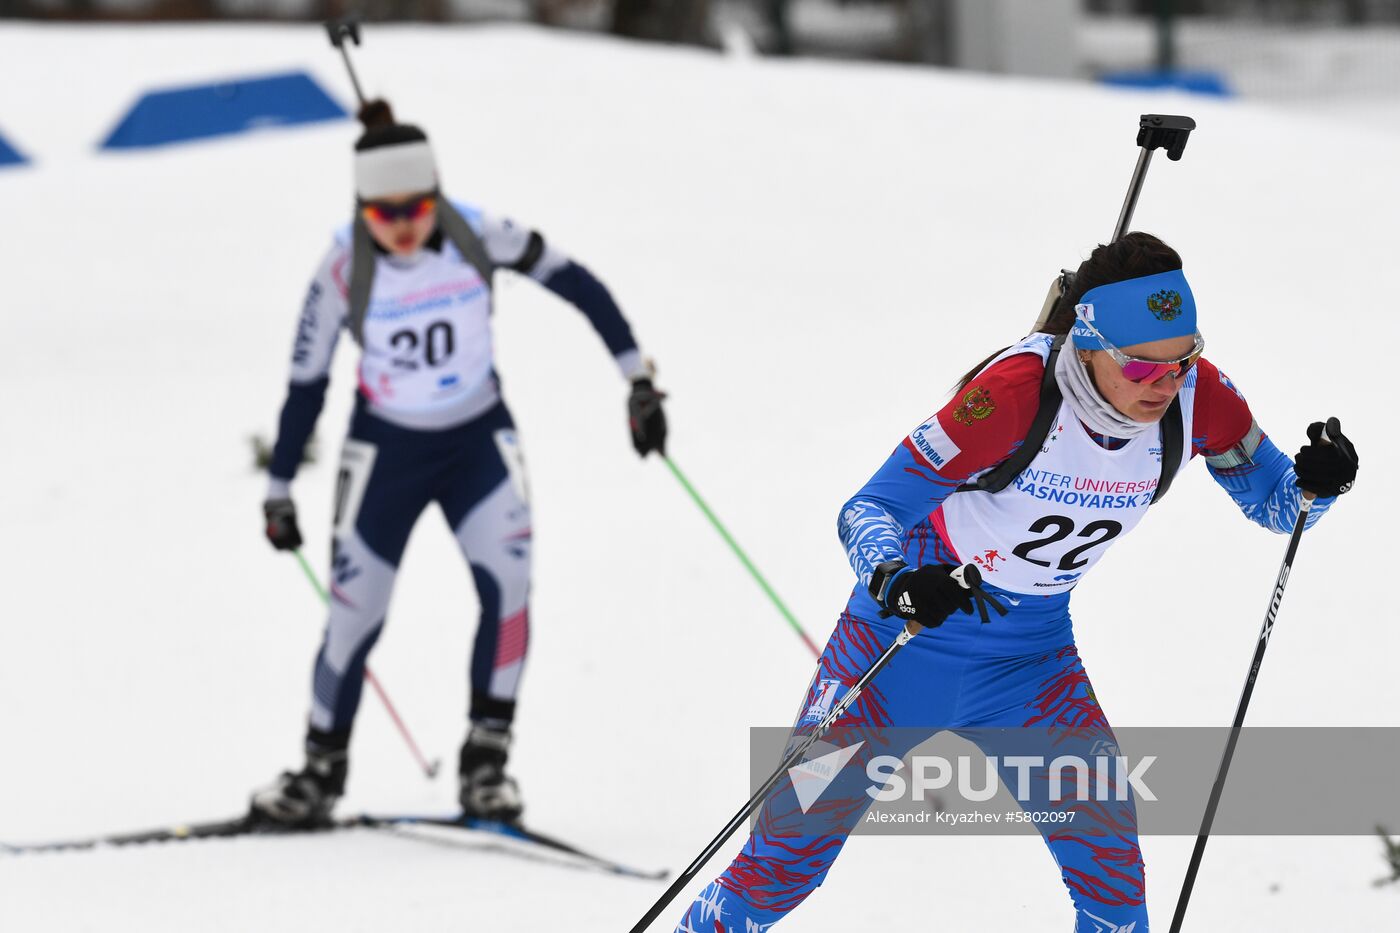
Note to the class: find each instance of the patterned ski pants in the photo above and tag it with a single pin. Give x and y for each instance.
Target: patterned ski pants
(388, 476)
(980, 684)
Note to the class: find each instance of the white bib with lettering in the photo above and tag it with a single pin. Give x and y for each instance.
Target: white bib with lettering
(1046, 529)
(427, 334)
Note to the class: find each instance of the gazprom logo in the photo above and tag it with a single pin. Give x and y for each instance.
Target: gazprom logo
(934, 444)
(928, 450)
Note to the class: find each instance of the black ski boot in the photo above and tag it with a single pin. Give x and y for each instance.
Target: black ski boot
(304, 799)
(487, 792)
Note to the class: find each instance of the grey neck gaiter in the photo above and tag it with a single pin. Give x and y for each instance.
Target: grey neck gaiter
(1088, 405)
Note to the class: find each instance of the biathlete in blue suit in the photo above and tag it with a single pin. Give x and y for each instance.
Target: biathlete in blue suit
(410, 280)
(1133, 348)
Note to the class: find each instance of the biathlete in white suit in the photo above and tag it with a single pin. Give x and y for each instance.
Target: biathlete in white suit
(1133, 350)
(410, 279)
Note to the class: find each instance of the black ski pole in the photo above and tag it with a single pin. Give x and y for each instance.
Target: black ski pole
(346, 27)
(1271, 614)
(971, 579)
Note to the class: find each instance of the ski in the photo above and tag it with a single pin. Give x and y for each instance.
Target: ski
(515, 831)
(245, 825)
(250, 825)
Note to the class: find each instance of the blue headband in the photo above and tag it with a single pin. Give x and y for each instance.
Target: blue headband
(1154, 307)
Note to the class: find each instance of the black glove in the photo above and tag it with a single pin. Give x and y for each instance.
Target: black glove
(281, 529)
(928, 595)
(1325, 469)
(647, 420)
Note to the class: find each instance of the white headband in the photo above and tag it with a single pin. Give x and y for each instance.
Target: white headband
(399, 169)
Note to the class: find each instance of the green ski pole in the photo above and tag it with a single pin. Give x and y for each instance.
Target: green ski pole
(743, 558)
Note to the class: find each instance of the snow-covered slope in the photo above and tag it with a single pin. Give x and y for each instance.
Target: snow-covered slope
(812, 253)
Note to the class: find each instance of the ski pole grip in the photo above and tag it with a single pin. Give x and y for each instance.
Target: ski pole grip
(1332, 427)
(1330, 430)
(968, 576)
(1165, 131)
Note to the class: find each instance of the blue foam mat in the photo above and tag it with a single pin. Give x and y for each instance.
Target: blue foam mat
(222, 109)
(1210, 83)
(9, 155)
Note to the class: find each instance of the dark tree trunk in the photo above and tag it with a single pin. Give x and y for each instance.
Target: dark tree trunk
(186, 9)
(927, 35)
(662, 20)
(776, 12)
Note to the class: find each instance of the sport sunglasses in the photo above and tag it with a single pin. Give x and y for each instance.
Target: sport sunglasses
(1139, 370)
(388, 212)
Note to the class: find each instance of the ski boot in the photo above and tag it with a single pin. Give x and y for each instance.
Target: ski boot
(304, 799)
(486, 791)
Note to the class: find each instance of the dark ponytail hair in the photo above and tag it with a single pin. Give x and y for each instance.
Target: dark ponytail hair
(1131, 257)
(376, 114)
(381, 129)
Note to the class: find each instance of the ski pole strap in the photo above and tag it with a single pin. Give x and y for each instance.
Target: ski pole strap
(970, 579)
(984, 600)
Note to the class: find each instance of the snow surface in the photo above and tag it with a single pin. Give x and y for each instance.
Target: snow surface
(812, 252)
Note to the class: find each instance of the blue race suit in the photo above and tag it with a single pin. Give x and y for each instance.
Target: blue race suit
(1021, 670)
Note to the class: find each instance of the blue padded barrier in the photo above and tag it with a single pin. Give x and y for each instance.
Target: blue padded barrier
(222, 109)
(1211, 83)
(9, 155)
